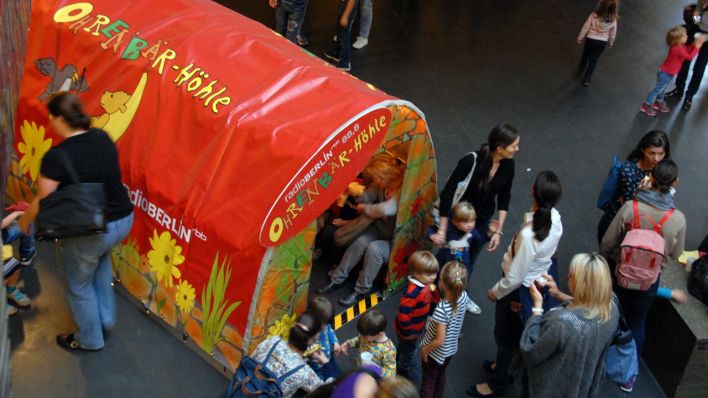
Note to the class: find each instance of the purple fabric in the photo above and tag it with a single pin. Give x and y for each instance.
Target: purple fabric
(345, 389)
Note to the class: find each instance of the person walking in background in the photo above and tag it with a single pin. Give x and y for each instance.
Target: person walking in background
(366, 16)
(679, 52)
(563, 350)
(289, 16)
(696, 18)
(341, 55)
(598, 32)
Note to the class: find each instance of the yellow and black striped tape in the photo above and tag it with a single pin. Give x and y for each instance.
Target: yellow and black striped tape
(355, 310)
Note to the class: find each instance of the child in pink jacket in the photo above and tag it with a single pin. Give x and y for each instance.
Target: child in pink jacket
(599, 31)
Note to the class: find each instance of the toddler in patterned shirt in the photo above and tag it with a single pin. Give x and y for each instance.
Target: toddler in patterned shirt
(372, 339)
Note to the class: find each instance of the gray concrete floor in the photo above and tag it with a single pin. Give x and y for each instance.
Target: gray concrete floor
(468, 65)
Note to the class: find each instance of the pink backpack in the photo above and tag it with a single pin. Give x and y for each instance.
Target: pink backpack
(642, 253)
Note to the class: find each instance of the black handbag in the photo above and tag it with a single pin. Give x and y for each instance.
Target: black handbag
(77, 209)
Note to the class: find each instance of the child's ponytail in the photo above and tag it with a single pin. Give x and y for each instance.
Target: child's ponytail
(454, 277)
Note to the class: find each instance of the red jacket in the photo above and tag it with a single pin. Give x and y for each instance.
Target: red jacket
(678, 54)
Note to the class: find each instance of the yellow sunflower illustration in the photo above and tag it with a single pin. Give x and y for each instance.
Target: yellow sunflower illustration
(185, 296)
(164, 257)
(33, 147)
(282, 327)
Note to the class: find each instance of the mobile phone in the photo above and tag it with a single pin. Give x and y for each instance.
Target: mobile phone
(541, 281)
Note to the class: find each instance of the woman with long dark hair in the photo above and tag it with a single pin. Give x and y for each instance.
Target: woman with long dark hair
(86, 259)
(530, 255)
(651, 149)
(489, 189)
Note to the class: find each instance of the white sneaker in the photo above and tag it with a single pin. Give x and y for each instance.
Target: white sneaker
(360, 43)
(18, 297)
(473, 308)
(334, 39)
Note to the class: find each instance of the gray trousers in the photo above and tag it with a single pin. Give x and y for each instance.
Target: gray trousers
(375, 253)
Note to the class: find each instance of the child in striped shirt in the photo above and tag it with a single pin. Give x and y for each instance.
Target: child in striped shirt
(413, 311)
(372, 339)
(440, 341)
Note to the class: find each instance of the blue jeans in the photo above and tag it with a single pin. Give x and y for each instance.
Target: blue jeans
(344, 40)
(663, 80)
(527, 301)
(635, 307)
(87, 264)
(367, 14)
(13, 233)
(408, 360)
(288, 23)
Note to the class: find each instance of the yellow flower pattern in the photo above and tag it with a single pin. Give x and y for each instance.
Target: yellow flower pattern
(185, 296)
(282, 327)
(164, 257)
(33, 147)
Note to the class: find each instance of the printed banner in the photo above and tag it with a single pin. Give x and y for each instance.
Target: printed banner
(223, 128)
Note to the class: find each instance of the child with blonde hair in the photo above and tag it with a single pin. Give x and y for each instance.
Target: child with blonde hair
(462, 237)
(443, 329)
(413, 310)
(678, 53)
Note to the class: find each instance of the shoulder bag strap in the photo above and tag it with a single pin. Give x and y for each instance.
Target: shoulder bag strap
(290, 373)
(462, 186)
(270, 352)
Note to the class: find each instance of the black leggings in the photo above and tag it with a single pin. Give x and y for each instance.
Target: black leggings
(591, 53)
(699, 67)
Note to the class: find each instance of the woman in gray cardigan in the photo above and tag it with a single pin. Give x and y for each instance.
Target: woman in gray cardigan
(563, 351)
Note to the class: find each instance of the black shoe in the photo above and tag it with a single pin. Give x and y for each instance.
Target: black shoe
(333, 56)
(351, 299)
(26, 259)
(327, 288)
(674, 93)
(687, 104)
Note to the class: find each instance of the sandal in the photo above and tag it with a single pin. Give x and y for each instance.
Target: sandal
(489, 366)
(473, 391)
(68, 341)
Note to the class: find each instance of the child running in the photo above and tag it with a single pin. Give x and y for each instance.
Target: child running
(599, 31)
(678, 52)
(322, 307)
(372, 339)
(440, 341)
(462, 237)
(413, 311)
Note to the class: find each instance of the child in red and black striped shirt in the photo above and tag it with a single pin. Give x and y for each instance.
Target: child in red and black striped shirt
(413, 312)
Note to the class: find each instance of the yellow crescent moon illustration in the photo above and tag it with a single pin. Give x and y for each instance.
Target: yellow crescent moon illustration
(118, 122)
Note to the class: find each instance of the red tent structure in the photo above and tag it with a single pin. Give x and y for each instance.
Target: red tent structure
(232, 142)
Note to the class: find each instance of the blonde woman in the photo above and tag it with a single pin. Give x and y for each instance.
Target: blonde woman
(377, 210)
(563, 350)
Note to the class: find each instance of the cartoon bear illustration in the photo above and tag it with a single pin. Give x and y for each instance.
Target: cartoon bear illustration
(65, 79)
(111, 102)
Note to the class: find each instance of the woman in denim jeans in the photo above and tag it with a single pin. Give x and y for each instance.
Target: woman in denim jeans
(86, 259)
